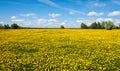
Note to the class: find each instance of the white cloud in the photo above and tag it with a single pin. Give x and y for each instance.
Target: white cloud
(64, 22)
(114, 13)
(108, 19)
(80, 20)
(103, 19)
(52, 21)
(28, 15)
(95, 14)
(47, 23)
(13, 17)
(42, 21)
(1, 22)
(17, 20)
(53, 15)
(95, 4)
(86, 21)
(69, 24)
(23, 23)
(36, 22)
(20, 22)
(99, 4)
(117, 22)
(71, 12)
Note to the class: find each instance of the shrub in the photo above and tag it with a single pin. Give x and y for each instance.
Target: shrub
(93, 25)
(62, 27)
(14, 26)
(109, 25)
(84, 26)
(6, 26)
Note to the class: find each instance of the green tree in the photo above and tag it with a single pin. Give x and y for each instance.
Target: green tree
(62, 27)
(6, 26)
(99, 26)
(14, 26)
(84, 26)
(109, 25)
(93, 25)
(119, 26)
(103, 25)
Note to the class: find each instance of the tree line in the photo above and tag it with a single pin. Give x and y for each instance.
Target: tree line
(12, 26)
(109, 25)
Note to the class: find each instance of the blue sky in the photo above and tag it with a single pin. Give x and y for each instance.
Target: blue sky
(53, 13)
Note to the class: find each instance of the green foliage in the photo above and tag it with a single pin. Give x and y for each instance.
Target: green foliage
(6, 26)
(84, 26)
(103, 25)
(119, 26)
(62, 27)
(99, 26)
(14, 26)
(93, 25)
(109, 25)
(116, 27)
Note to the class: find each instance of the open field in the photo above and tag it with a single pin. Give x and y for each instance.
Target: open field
(59, 50)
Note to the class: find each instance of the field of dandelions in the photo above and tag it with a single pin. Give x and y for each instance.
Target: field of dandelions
(59, 50)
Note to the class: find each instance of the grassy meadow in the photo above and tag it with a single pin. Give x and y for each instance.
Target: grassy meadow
(59, 50)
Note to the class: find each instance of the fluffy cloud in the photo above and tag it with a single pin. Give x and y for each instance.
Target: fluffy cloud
(47, 23)
(21, 22)
(64, 22)
(42, 21)
(28, 15)
(54, 22)
(103, 19)
(70, 24)
(53, 15)
(1, 22)
(86, 21)
(95, 14)
(99, 4)
(114, 13)
(117, 21)
(95, 4)
(17, 20)
(71, 12)
(13, 17)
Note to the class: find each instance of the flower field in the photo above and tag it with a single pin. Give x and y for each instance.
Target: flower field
(59, 50)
